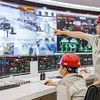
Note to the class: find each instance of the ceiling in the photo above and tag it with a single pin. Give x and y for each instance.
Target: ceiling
(93, 3)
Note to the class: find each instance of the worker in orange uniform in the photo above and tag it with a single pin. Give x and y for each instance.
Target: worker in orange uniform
(94, 41)
(72, 86)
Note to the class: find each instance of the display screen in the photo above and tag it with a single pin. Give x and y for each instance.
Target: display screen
(48, 63)
(26, 31)
(46, 41)
(14, 66)
(17, 32)
(51, 62)
(74, 22)
(29, 31)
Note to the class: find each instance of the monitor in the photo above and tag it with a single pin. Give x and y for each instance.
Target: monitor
(15, 65)
(18, 30)
(74, 22)
(48, 63)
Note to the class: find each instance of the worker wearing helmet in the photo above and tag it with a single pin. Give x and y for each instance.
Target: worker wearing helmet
(93, 40)
(72, 86)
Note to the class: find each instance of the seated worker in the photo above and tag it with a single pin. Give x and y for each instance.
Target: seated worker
(72, 86)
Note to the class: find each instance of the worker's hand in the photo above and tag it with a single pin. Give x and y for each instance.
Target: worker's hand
(83, 71)
(97, 82)
(58, 32)
(49, 83)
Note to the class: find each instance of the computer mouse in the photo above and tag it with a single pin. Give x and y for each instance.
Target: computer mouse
(46, 83)
(59, 77)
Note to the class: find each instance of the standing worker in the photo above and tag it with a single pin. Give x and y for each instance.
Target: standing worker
(72, 86)
(93, 40)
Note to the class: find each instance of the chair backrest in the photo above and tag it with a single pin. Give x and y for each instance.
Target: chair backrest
(93, 93)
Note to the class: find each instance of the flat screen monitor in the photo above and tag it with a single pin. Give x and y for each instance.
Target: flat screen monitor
(49, 63)
(74, 22)
(27, 30)
(16, 65)
(17, 30)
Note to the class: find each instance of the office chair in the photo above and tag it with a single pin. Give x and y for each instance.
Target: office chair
(93, 93)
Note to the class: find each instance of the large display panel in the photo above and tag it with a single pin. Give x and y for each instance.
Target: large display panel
(27, 30)
(75, 22)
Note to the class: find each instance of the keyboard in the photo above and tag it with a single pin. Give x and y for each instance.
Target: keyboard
(8, 86)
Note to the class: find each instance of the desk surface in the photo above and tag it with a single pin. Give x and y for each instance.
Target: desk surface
(27, 91)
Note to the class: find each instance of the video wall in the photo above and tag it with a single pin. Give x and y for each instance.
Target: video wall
(29, 32)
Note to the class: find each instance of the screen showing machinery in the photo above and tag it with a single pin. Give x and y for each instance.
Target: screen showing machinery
(17, 30)
(46, 41)
(28, 30)
(75, 22)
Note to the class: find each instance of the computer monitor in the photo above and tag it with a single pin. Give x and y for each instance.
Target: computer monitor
(18, 30)
(49, 63)
(15, 65)
(75, 22)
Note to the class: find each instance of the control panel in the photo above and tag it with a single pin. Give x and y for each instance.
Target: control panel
(15, 65)
(50, 62)
(86, 60)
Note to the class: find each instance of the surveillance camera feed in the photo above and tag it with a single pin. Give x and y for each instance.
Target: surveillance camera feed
(18, 35)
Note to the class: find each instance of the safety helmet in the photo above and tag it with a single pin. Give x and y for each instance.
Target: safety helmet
(70, 60)
(98, 19)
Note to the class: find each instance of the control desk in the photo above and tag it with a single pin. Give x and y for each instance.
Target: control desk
(36, 89)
